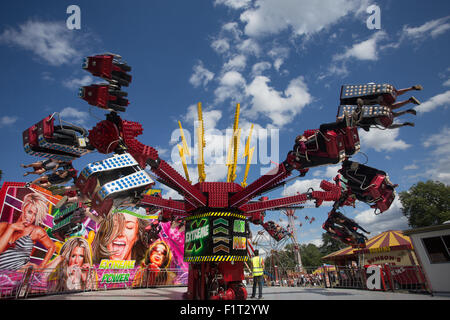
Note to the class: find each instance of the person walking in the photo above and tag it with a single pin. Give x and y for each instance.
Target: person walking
(257, 270)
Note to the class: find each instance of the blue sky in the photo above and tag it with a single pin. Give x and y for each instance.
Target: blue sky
(283, 60)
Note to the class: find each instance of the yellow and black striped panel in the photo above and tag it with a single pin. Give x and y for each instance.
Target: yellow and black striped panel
(216, 214)
(215, 258)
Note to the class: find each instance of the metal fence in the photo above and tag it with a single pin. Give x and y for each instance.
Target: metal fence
(31, 282)
(391, 278)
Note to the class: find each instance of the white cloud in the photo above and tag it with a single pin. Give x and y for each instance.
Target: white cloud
(162, 151)
(231, 86)
(335, 69)
(51, 41)
(233, 29)
(434, 28)
(382, 140)
(220, 45)
(279, 54)
(329, 173)
(446, 83)
(75, 83)
(317, 242)
(260, 67)
(279, 107)
(201, 75)
(7, 121)
(438, 165)
(411, 167)
(232, 78)
(303, 17)
(234, 4)
(249, 47)
(210, 117)
(73, 115)
(365, 50)
(238, 63)
(169, 193)
(442, 99)
(392, 219)
(302, 186)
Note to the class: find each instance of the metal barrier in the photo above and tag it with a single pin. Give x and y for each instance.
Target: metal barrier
(30, 282)
(409, 278)
(392, 278)
(38, 282)
(293, 278)
(12, 283)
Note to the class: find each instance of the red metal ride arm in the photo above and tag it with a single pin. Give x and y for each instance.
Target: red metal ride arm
(175, 207)
(105, 137)
(271, 178)
(331, 193)
(146, 155)
(274, 203)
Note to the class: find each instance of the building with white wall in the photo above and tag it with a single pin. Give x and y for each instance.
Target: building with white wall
(432, 247)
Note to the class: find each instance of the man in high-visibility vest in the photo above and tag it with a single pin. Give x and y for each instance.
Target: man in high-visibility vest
(258, 271)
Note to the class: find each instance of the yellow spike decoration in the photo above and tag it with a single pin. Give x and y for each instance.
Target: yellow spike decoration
(183, 161)
(234, 147)
(183, 151)
(249, 154)
(201, 145)
(183, 140)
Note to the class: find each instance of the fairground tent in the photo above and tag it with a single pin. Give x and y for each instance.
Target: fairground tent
(320, 269)
(391, 247)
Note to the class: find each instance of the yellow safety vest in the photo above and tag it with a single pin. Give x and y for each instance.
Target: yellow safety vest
(257, 266)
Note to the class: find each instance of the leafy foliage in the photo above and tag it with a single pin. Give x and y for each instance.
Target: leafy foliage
(426, 204)
(330, 245)
(311, 254)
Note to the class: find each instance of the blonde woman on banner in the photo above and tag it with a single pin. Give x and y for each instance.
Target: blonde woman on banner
(18, 239)
(74, 267)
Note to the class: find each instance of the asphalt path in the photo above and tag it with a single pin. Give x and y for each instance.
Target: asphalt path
(269, 293)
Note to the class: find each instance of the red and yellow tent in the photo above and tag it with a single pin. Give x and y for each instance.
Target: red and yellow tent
(385, 247)
(320, 269)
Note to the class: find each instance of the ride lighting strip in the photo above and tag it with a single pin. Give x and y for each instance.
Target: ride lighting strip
(216, 258)
(46, 155)
(368, 111)
(216, 214)
(132, 181)
(366, 89)
(116, 162)
(60, 147)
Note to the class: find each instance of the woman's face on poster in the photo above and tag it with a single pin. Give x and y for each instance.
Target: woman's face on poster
(122, 245)
(29, 215)
(176, 232)
(158, 254)
(76, 257)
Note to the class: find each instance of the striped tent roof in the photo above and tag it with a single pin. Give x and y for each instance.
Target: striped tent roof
(390, 238)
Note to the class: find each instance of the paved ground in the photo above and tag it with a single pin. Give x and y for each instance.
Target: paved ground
(270, 293)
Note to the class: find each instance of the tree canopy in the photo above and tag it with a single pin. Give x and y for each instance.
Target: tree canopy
(426, 204)
(330, 245)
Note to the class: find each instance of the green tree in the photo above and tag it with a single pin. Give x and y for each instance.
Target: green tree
(282, 258)
(311, 255)
(330, 245)
(426, 204)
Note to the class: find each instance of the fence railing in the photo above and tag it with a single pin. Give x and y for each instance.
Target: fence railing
(32, 282)
(390, 277)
